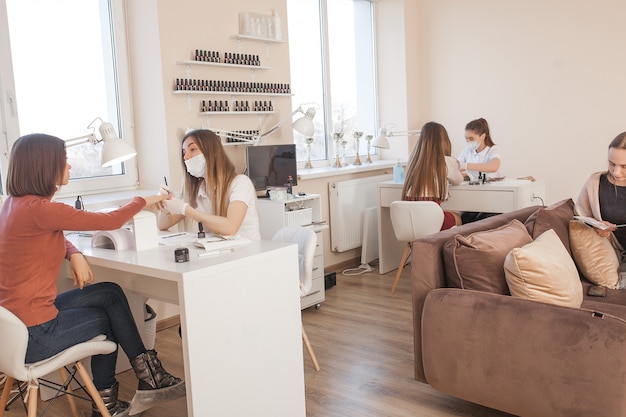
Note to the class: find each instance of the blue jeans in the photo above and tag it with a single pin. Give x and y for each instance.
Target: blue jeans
(100, 308)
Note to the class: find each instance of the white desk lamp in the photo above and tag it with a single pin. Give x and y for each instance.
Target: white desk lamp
(381, 140)
(114, 149)
(303, 125)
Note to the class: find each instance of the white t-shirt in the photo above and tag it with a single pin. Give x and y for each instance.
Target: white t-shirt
(241, 189)
(470, 156)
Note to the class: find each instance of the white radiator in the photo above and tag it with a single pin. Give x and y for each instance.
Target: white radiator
(348, 202)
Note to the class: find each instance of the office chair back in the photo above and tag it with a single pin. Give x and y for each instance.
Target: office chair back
(14, 335)
(414, 219)
(13, 348)
(306, 239)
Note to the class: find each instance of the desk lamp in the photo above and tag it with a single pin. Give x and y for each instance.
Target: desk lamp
(114, 149)
(303, 125)
(381, 140)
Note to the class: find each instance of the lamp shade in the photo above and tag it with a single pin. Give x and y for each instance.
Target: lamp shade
(114, 149)
(381, 140)
(304, 125)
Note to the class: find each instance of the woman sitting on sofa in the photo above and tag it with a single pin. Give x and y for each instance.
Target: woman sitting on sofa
(431, 168)
(603, 196)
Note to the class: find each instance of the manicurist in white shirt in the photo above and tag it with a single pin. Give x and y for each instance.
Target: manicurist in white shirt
(481, 155)
(213, 193)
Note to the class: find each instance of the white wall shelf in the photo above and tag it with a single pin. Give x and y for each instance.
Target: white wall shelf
(230, 93)
(255, 38)
(233, 113)
(190, 62)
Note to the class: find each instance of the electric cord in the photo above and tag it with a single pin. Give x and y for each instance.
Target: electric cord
(363, 268)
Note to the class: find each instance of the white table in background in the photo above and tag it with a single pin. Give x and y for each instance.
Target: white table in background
(240, 315)
(491, 197)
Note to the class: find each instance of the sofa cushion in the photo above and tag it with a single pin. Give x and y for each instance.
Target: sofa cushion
(594, 255)
(556, 217)
(544, 271)
(475, 262)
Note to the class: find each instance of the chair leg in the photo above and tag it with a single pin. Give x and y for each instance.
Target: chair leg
(91, 389)
(33, 393)
(8, 383)
(401, 267)
(70, 398)
(309, 348)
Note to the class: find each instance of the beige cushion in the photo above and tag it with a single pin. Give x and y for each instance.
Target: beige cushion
(556, 216)
(474, 262)
(594, 255)
(544, 271)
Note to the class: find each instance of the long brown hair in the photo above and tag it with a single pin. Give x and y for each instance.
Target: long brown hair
(480, 126)
(37, 165)
(427, 173)
(220, 171)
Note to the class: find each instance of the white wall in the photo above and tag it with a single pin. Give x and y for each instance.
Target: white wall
(163, 32)
(548, 75)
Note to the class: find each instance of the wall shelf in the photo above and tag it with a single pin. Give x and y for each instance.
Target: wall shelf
(229, 93)
(255, 38)
(221, 64)
(227, 113)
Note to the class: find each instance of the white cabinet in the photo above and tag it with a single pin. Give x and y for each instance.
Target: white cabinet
(305, 211)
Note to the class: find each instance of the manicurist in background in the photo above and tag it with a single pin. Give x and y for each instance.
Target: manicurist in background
(480, 155)
(480, 160)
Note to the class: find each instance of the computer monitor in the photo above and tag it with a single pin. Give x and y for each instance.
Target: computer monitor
(271, 165)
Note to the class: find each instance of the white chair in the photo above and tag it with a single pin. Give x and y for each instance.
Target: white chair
(412, 220)
(306, 239)
(13, 353)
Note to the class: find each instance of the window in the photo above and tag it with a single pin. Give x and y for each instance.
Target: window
(68, 68)
(331, 48)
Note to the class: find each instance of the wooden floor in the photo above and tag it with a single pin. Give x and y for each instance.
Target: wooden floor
(363, 338)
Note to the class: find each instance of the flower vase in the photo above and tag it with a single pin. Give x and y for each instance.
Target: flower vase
(337, 136)
(369, 138)
(357, 135)
(308, 141)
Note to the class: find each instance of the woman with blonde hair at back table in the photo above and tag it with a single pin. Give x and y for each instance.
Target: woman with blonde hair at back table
(431, 168)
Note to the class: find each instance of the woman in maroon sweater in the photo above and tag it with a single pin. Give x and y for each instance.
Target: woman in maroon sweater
(32, 248)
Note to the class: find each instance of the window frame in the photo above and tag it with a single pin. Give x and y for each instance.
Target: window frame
(10, 124)
(326, 109)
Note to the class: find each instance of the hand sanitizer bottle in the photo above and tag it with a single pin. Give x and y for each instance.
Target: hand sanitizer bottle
(398, 172)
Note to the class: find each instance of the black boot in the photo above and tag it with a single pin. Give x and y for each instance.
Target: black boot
(116, 407)
(155, 383)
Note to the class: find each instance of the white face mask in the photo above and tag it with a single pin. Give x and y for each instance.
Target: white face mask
(473, 145)
(196, 166)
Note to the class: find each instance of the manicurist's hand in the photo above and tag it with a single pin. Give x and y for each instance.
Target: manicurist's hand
(175, 205)
(81, 271)
(166, 191)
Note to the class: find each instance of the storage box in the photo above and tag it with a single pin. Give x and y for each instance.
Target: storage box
(301, 217)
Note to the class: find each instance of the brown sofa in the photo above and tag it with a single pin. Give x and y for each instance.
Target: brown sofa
(519, 356)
